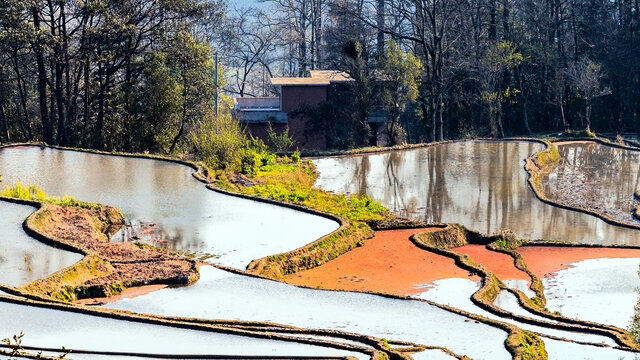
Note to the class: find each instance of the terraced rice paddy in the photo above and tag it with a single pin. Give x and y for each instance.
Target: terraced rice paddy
(481, 185)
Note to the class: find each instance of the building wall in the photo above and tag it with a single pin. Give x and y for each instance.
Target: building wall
(294, 97)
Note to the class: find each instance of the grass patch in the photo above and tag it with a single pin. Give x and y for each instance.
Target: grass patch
(34, 193)
(287, 180)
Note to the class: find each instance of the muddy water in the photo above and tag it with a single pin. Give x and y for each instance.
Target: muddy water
(221, 294)
(600, 290)
(86, 332)
(22, 258)
(479, 184)
(604, 176)
(235, 231)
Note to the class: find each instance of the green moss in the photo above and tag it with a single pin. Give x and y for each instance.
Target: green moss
(66, 284)
(453, 235)
(532, 347)
(314, 254)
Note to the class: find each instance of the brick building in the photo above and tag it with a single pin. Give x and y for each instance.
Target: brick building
(295, 92)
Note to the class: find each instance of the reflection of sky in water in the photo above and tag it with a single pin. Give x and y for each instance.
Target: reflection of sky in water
(74, 330)
(19, 251)
(457, 293)
(479, 184)
(599, 290)
(196, 219)
(220, 294)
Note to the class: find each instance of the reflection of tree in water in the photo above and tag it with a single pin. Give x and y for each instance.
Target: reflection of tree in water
(598, 175)
(393, 162)
(361, 174)
(437, 195)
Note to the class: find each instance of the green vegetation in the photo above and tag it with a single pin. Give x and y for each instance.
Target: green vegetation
(291, 180)
(506, 239)
(288, 180)
(66, 285)
(280, 142)
(531, 347)
(33, 192)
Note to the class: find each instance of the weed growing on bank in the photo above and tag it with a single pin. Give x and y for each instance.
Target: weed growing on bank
(33, 192)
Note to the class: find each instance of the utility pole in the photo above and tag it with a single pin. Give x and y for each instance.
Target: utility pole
(216, 77)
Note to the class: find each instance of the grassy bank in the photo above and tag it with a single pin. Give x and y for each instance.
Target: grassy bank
(289, 181)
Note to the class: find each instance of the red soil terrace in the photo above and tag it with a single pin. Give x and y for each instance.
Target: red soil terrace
(389, 262)
(545, 260)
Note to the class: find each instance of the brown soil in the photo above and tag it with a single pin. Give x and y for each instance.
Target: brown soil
(559, 143)
(129, 293)
(388, 262)
(109, 267)
(498, 263)
(545, 260)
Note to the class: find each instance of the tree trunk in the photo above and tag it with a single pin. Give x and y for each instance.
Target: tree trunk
(380, 23)
(25, 124)
(47, 136)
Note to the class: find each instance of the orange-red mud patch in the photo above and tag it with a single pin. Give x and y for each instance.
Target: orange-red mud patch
(498, 263)
(544, 260)
(558, 143)
(389, 262)
(126, 294)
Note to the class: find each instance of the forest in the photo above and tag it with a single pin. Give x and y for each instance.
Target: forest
(140, 75)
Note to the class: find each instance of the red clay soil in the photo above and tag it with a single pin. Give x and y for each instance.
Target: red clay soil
(545, 260)
(498, 263)
(389, 262)
(129, 293)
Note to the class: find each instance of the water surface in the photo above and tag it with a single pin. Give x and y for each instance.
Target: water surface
(481, 185)
(457, 293)
(604, 176)
(22, 258)
(220, 294)
(599, 290)
(233, 230)
(73, 330)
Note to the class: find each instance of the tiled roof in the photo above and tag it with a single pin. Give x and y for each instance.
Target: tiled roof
(318, 77)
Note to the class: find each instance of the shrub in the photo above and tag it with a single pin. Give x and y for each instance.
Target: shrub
(280, 142)
(296, 156)
(219, 142)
